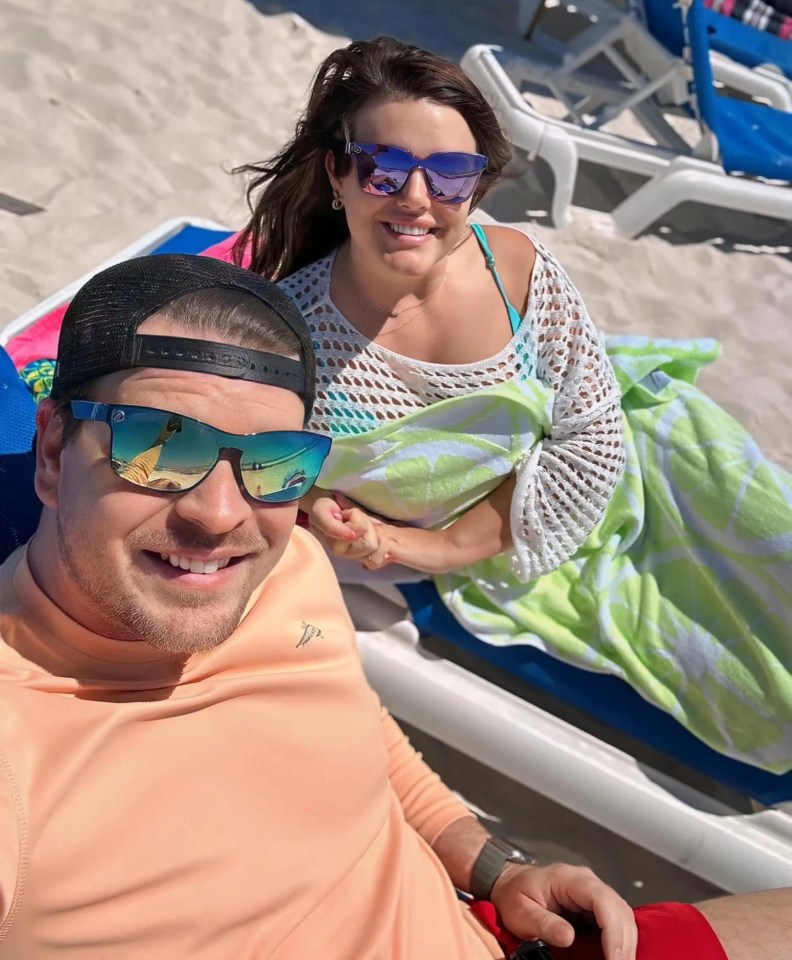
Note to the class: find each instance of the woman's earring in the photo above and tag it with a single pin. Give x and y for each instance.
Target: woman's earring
(337, 203)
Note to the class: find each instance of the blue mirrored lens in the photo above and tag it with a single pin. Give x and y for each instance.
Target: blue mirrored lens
(383, 169)
(165, 451)
(285, 468)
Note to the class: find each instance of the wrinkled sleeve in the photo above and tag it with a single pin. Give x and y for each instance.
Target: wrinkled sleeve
(429, 806)
(564, 485)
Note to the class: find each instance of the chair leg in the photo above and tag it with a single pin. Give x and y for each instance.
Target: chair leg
(559, 152)
(676, 184)
(687, 179)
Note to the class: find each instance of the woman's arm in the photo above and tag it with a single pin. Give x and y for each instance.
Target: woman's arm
(562, 492)
(484, 531)
(348, 531)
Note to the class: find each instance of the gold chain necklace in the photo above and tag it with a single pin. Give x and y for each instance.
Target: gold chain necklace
(417, 307)
(397, 313)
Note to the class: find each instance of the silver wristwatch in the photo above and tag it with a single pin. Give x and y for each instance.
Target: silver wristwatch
(490, 863)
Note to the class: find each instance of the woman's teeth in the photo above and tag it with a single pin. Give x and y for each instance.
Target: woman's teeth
(195, 566)
(409, 231)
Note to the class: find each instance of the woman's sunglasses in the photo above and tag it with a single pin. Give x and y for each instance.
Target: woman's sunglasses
(160, 450)
(383, 170)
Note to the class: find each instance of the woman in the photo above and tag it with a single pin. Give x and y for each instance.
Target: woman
(472, 404)
(406, 284)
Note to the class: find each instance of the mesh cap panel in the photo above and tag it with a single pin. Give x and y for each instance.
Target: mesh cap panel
(99, 332)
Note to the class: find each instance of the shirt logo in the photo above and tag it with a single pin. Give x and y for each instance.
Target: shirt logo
(310, 632)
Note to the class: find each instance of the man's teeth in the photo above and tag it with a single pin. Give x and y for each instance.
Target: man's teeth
(410, 231)
(195, 566)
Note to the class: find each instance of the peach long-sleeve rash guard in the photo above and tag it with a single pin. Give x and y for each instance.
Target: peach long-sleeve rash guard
(252, 802)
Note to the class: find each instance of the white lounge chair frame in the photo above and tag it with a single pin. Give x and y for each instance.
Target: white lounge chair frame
(738, 852)
(673, 178)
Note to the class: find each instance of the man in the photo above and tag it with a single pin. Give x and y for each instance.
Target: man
(191, 762)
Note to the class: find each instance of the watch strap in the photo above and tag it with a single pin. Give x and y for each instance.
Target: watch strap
(486, 870)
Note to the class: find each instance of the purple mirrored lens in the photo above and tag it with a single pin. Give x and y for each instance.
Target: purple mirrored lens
(383, 170)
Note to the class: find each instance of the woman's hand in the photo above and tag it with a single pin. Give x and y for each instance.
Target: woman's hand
(530, 899)
(348, 531)
(345, 529)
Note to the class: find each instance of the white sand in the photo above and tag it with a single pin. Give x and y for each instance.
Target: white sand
(115, 116)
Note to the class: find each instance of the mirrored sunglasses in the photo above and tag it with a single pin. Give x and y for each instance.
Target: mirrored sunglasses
(168, 452)
(383, 170)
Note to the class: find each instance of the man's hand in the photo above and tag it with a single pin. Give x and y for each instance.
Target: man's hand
(530, 899)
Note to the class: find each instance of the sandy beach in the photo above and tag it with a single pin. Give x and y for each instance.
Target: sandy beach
(117, 116)
(115, 119)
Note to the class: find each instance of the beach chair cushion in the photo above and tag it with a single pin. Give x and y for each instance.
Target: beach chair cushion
(753, 138)
(19, 506)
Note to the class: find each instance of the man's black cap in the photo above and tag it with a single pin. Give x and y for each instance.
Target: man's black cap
(99, 333)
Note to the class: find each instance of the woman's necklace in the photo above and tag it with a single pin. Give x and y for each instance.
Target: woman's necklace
(418, 308)
(397, 313)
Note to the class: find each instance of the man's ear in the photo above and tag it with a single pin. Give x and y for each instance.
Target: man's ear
(49, 447)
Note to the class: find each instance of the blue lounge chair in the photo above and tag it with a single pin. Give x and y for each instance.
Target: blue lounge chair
(511, 708)
(17, 426)
(751, 138)
(674, 176)
(644, 44)
(742, 43)
(743, 138)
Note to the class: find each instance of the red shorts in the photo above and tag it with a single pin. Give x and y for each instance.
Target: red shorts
(666, 931)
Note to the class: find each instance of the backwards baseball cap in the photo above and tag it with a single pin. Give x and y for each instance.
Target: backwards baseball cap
(99, 333)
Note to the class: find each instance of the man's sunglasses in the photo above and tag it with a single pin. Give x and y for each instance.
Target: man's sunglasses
(160, 450)
(383, 170)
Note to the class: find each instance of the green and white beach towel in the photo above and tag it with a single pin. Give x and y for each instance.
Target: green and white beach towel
(684, 587)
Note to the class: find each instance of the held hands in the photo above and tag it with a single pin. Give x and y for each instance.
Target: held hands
(530, 899)
(348, 531)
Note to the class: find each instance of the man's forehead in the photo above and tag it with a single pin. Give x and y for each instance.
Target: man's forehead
(163, 325)
(158, 381)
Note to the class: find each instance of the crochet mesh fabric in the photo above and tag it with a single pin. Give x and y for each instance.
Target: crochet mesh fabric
(562, 493)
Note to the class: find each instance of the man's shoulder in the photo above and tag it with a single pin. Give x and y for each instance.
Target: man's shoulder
(304, 547)
(7, 570)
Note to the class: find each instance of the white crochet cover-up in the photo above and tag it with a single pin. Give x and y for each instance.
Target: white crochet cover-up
(564, 487)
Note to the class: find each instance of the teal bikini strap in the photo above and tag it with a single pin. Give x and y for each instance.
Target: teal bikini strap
(514, 317)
